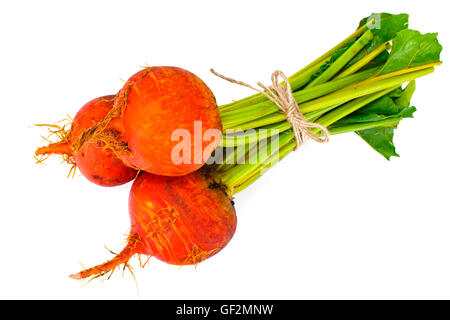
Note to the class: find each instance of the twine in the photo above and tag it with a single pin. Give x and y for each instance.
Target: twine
(283, 97)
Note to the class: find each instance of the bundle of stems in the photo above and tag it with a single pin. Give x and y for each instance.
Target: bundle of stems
(357, 86)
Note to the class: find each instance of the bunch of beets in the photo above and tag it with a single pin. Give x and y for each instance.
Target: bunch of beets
(188, 156)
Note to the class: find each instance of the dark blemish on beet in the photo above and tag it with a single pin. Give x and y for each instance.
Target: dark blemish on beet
(96, 177)
(214, 185)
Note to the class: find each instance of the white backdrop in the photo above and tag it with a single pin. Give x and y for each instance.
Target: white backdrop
(378, 229)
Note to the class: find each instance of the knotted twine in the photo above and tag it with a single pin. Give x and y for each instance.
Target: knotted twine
(283, 97)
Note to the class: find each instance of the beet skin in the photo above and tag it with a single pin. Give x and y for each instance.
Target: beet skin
(99, 165)
(179, 220)
(154, 103)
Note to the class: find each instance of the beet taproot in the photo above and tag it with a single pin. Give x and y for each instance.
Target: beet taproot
(154, 105)
(179, 220)
(98, 164)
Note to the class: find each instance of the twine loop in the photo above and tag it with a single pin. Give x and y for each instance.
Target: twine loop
(283, 97)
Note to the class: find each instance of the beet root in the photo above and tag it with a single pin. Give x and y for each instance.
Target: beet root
(98, 164)
(179, 220)
(161, 108)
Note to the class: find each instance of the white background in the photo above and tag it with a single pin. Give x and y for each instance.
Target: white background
(330, 221)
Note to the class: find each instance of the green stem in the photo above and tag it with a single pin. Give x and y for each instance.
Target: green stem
(338, 90)
(340, 112)
(285, 150)
(349, 54)
(270, 113)
(234, 117)
(238, 173)
(364, 126)
(253, 136)
(361, 89)
(364, 60)
(301, 77)
(259, 122)
(314, 115)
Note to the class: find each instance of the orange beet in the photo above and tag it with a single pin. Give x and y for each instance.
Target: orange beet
(179, 220)
(97, 164)
(153, 104)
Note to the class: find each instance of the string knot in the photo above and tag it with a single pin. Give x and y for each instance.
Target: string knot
(283, 97)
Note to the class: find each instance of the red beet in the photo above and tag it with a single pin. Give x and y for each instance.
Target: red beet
(98, 164)
(153, 104)
(179, 220)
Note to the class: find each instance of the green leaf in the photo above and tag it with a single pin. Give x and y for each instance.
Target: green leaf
(410, 49)
(408, 112)
(379, 109)
(394, 104)
(385, 28)
(404, 99)
(384, 105)
(371, 117)
(396, 93)
(380, 139)
(386, 25)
